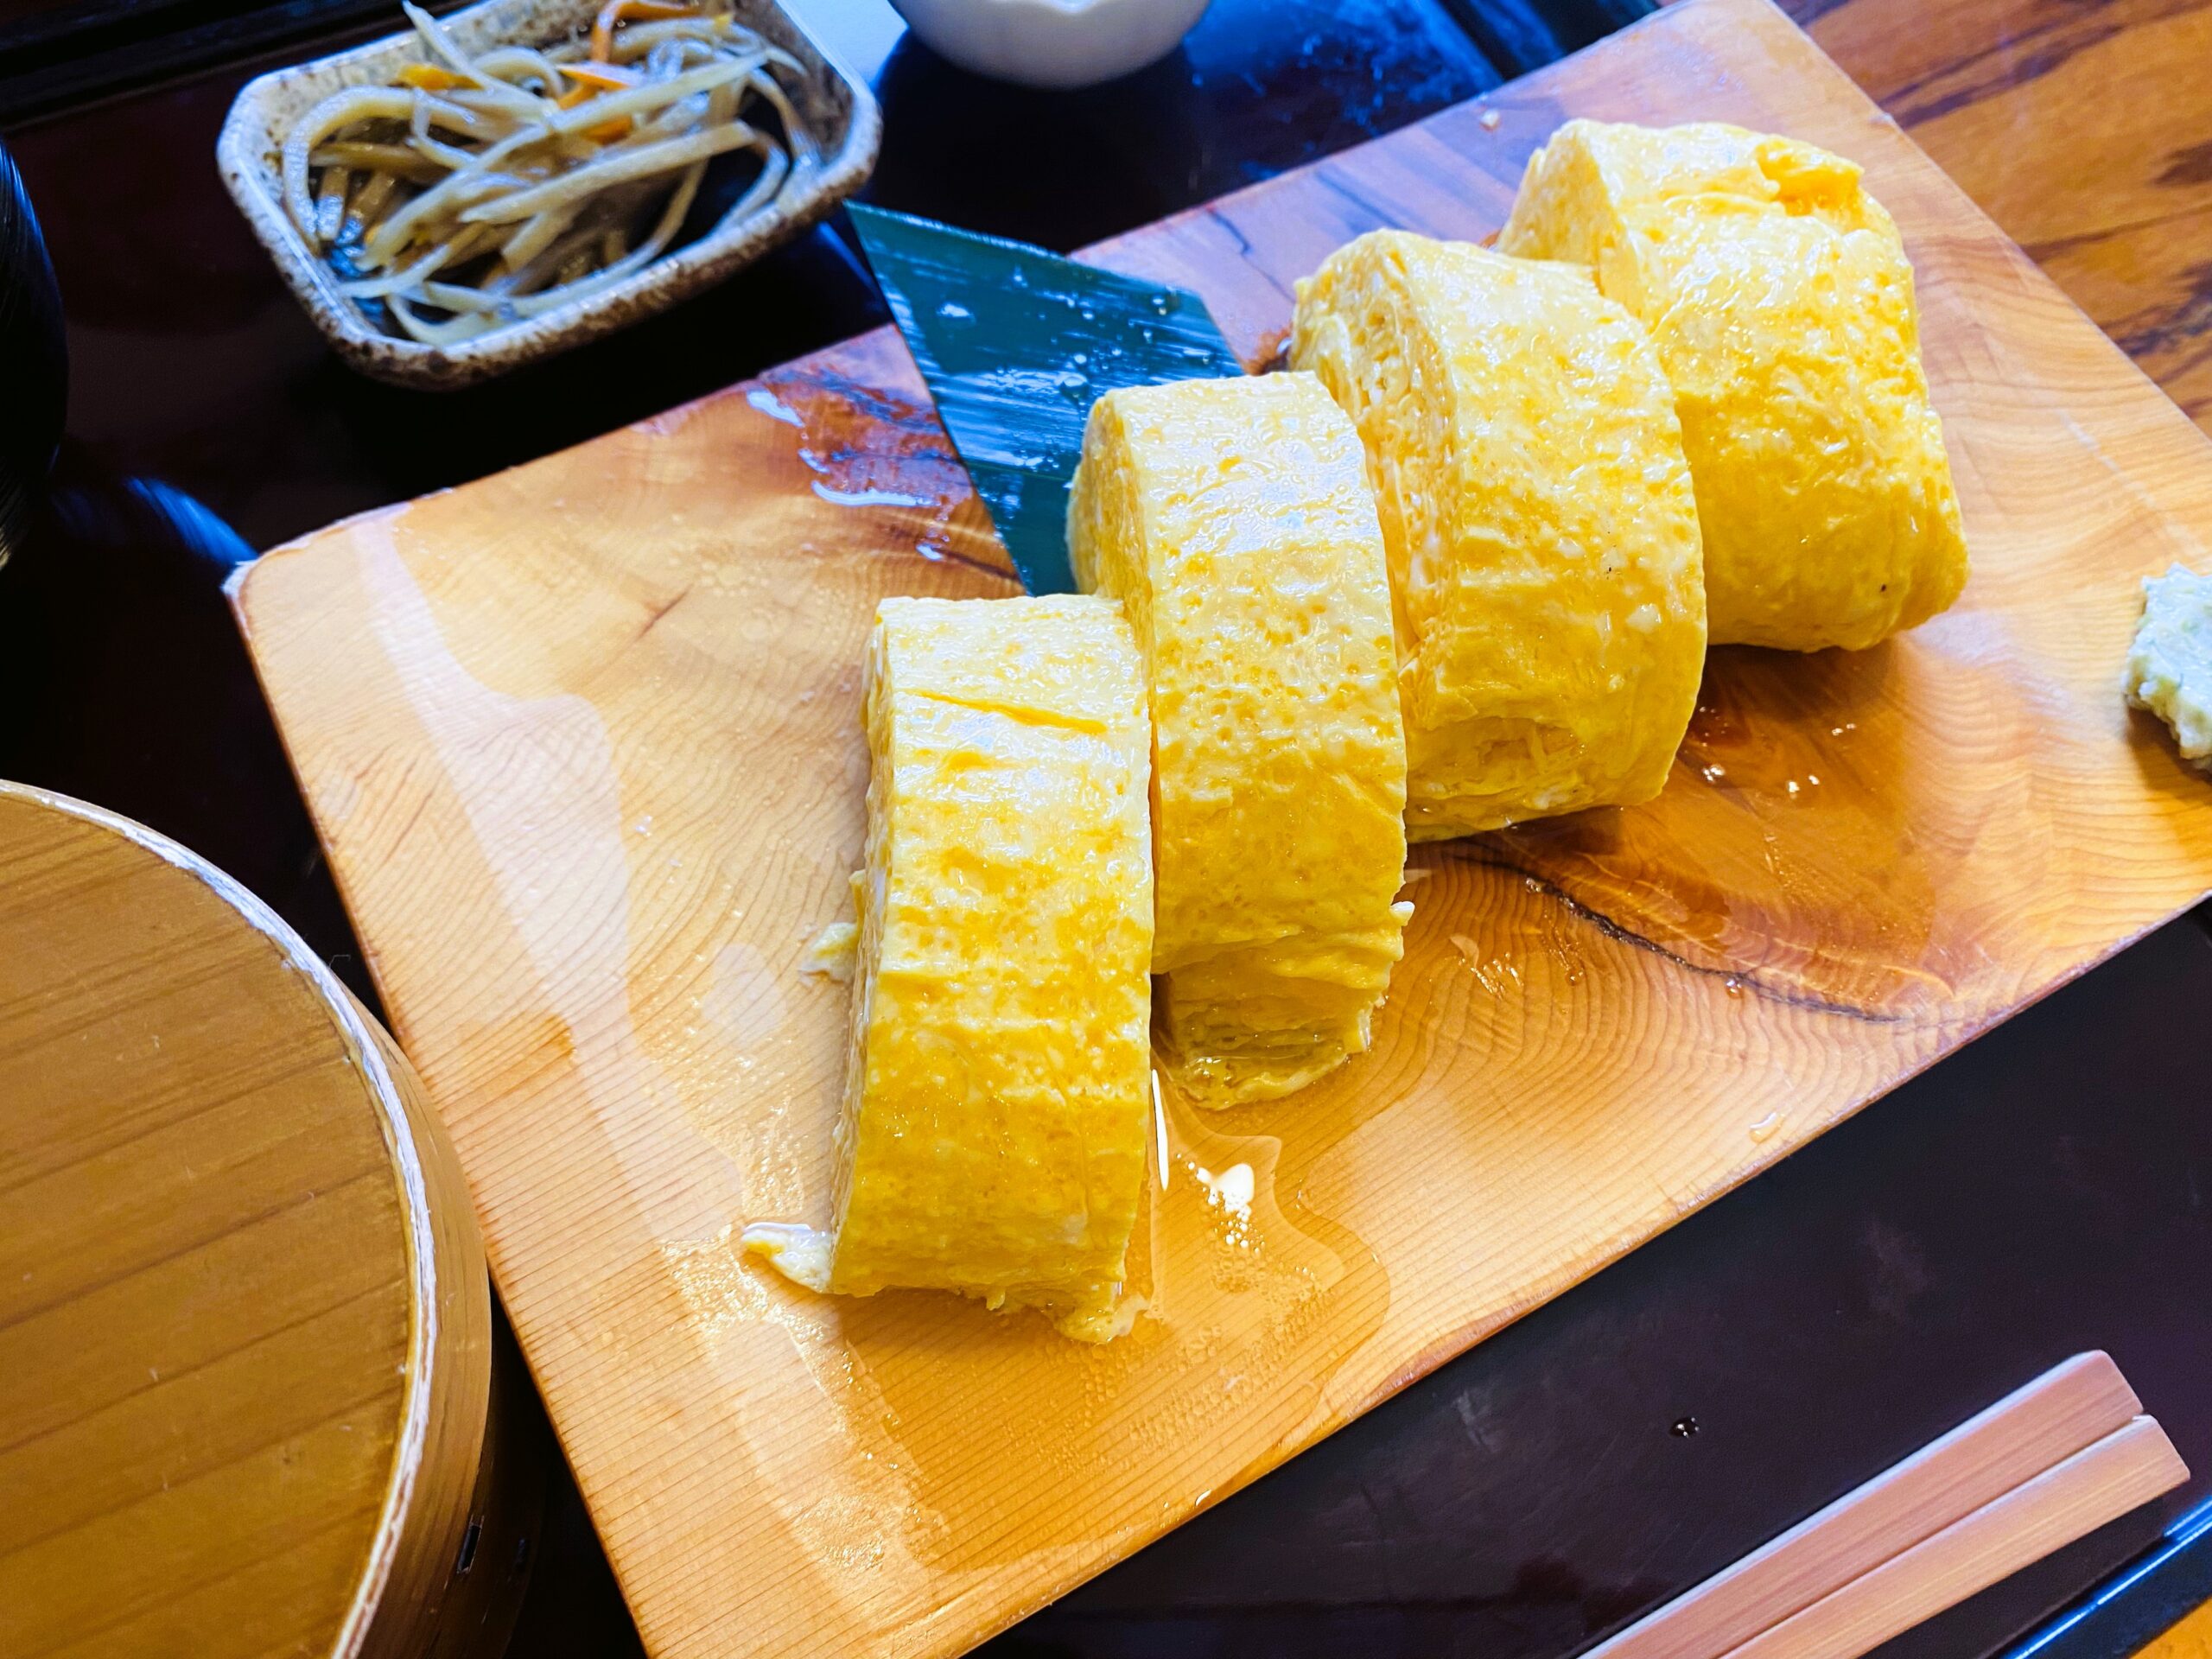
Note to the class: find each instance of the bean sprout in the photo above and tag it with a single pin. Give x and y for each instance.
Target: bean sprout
(474, 193)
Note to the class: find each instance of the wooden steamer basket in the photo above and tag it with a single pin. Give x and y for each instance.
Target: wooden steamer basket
(246, 1365)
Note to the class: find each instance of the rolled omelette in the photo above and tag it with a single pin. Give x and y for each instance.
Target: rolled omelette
(997, 1112)
(1538, 515)
(1233, 519)
(1779, 296)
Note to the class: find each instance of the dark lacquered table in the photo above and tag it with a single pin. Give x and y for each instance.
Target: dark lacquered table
(2046, 1191)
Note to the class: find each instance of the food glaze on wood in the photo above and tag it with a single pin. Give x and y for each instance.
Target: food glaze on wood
(583, 740)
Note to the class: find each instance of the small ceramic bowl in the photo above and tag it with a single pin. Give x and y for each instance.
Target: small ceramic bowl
(837, 107)
(1057, 43)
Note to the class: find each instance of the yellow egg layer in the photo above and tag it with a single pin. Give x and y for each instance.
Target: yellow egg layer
(1233, 519)
(1539, 518)
(1778, 294)
(997, 1109)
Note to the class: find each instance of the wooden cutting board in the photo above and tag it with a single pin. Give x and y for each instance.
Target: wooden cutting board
(583, 741)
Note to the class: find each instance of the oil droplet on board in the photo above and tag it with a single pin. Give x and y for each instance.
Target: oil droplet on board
(1494, 974)
(1765, 1129)
(1565, 953)
(744, 1001)
(1231, 1192)
(774, 407)
(1683, 1427)
(1163, 1165)
(1227, 1222)
(867, 498)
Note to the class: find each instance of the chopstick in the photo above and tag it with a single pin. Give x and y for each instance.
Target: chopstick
(2019, 1471)
(2129, 1466)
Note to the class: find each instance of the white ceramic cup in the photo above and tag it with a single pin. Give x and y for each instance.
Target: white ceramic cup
(1051, 42)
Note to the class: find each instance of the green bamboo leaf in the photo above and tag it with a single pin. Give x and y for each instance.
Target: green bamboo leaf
(1016, 344)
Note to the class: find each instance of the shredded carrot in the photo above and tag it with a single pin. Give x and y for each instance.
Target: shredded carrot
(596, 77)
(606, 132)
(432, 77)
(626, 11)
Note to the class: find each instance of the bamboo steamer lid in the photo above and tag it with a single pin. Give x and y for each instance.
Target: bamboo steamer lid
(246, 1357)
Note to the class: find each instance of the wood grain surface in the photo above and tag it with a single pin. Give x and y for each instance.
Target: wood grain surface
(2085, 129)
(582, 739)
(244, 1332)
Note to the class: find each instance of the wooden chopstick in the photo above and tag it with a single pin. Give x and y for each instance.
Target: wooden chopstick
(2074, 1405)
(2129, 1466)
